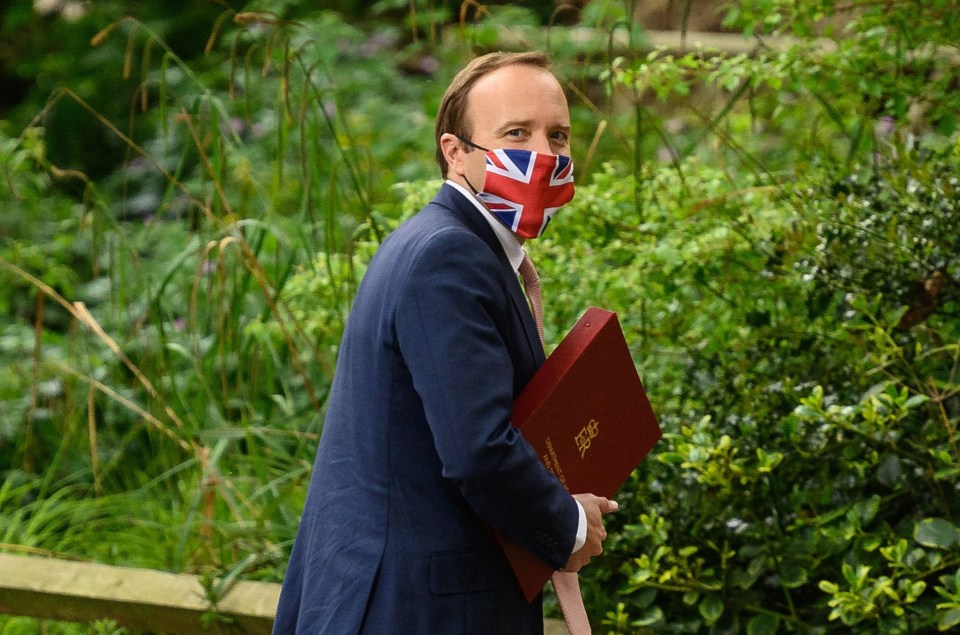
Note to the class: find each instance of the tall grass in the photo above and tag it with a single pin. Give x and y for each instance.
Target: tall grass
(173, 397)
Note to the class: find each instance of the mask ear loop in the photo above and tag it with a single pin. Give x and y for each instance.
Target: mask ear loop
(472, 145)
(475, 191)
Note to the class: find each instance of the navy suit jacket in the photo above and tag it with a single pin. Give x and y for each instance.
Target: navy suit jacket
(418, 459)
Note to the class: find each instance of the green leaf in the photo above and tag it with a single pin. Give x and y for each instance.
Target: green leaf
(916, 589)
(853, 576)
(793, 575)
(673, 458)
(870, 542)
(936, 532)
(690, 597)
(711, 608)
(742, 578)
(828, 587)
(806, 412)
(915, 400)
(763, 624)
(651, 616)
(889, 471)
(867, 510)
(949, 619)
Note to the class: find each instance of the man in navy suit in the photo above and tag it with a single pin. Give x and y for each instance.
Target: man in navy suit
(418, 460)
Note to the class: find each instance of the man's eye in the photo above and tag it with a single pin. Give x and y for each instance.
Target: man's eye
(516, 132)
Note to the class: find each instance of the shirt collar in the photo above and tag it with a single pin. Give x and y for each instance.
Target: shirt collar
(511, 246)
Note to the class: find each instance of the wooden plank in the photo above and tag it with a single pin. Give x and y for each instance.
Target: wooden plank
(555, 627)
(598, 41)
(49, 588)
(722, 42)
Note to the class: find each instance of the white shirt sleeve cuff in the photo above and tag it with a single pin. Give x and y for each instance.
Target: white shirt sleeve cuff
(581, 529)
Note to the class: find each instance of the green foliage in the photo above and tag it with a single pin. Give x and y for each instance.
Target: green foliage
(846, 81)
(27, 626)
(807, 475)
(145, 318)
(750, 492)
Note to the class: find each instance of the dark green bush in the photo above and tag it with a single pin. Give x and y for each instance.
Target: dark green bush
(808, 475)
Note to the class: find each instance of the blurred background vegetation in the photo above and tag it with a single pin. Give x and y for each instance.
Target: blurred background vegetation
(190, 192)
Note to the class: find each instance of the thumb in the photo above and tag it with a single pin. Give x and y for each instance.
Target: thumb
(606, 505)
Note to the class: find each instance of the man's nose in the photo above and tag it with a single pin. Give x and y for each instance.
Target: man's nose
(540, 142)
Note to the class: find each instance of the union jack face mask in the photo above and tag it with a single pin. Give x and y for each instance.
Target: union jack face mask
(524, 188)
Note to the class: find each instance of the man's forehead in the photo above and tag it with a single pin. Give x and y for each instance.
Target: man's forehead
(519, 94)
(516, 76)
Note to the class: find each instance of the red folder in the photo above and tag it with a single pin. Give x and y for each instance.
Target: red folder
(586, 414)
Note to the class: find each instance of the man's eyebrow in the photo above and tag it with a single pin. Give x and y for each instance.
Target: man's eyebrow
(517, 123)
(528, 123)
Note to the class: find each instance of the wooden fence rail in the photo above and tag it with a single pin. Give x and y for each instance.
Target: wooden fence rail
(593, 41)
(50, 588)
(53, 589)
(598, 42)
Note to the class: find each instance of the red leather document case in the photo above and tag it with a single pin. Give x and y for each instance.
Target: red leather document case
(588, 417)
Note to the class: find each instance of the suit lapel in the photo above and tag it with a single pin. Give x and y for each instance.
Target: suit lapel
(453, 200)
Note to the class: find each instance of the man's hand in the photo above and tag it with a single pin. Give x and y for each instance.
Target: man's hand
(594, 508)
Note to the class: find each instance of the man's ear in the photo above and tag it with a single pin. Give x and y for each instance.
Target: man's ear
(453, 151)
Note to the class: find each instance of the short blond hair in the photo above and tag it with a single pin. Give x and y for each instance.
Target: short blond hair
(452, 115)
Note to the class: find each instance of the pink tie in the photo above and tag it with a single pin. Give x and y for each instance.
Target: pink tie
(531, 284)
(566, 584)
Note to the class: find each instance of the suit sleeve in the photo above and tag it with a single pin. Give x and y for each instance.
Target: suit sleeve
(450, 319)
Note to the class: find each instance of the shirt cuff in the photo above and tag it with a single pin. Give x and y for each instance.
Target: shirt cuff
(581, 529)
